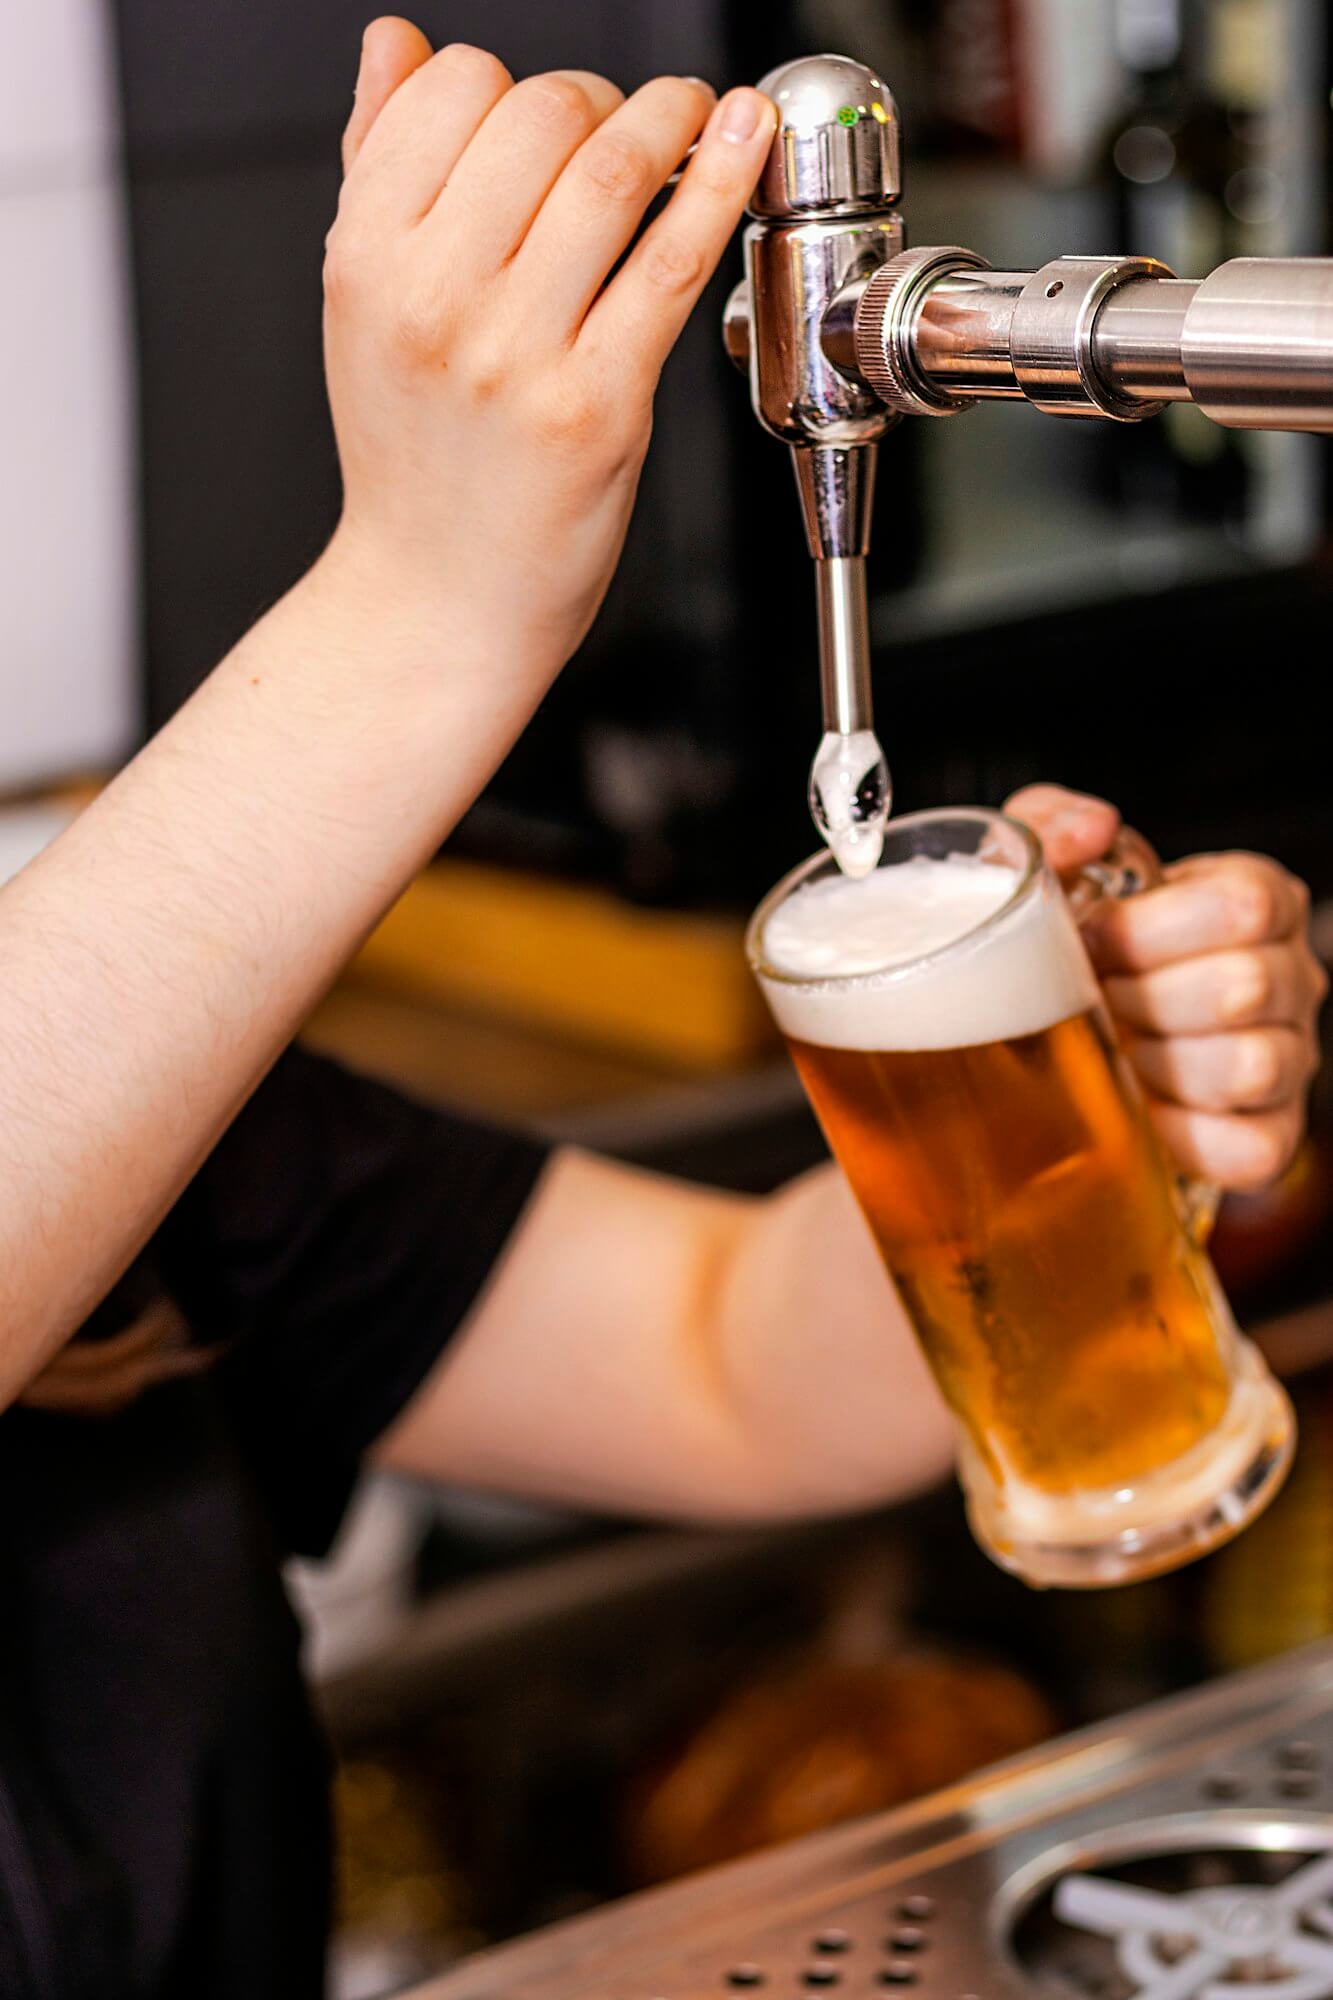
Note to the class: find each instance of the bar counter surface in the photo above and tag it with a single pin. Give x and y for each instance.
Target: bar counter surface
(1184, 1849)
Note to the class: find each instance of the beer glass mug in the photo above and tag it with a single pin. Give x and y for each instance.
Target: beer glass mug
(950, 1034)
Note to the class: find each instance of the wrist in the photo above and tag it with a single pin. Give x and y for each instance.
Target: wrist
(446, 609)
(367, 604)
(361, 680)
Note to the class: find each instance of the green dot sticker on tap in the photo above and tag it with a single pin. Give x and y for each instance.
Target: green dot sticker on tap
(848, 115)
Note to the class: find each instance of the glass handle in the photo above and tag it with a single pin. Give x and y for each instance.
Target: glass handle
(1128, 867)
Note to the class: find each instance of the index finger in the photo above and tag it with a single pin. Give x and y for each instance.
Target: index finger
(1213, 903)
(643, 309)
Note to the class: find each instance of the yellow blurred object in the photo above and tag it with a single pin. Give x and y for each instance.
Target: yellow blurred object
(1272, 1589)
(394, 1874)
(576, 962)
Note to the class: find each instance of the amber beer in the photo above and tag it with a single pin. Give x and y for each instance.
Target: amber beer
(1031, 1228)
(949, 1033)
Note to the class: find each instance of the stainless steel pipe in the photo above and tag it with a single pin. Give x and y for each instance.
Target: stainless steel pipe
(844, 644)
(1252, 345)
(1257, 344)
(1138, 335)
(963, 336)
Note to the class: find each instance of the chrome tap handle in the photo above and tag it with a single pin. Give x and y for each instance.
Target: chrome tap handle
(838, 149)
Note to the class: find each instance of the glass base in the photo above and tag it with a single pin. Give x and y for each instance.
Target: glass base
(1096, 1539)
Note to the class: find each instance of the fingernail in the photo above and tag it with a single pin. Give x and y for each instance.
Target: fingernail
(742, 116)
(703, 84)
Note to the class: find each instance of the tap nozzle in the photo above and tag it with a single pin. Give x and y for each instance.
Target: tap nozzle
(825, 216)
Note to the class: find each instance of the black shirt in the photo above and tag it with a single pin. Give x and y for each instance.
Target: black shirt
(163, 1819)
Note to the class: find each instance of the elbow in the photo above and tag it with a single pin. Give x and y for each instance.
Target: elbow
(814, 1486)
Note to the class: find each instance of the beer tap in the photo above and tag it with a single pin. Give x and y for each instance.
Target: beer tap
(825, 219)
(843, 331)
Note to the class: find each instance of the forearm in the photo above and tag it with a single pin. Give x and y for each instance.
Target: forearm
(159, 955)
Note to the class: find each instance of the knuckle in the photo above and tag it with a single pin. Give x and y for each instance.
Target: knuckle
(672, 264)
(418, 325)
(1260, 1069)
(618, 167)
(719, 175)
(1249, 990)
(567, 416)
(344, 266)
(465, 61)
(1252, 891)
(555, 100)
(1270, 1144)
(486, 376)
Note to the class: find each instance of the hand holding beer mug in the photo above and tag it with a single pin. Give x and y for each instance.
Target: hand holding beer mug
(951, 1035)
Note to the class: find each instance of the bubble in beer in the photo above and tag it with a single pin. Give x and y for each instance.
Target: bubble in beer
(850, 796)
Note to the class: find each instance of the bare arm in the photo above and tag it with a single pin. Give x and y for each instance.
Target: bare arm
(650, 1347)
(157, 958)
(492, 395)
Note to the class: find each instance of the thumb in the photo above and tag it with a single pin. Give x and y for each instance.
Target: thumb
(390, 51)
(1073, 827)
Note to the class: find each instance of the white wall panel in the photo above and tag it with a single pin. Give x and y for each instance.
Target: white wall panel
(57, 108)
(68, 532)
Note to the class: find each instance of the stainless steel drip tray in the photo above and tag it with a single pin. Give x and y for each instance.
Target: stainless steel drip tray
(1211, 1905)
(1184, 1852)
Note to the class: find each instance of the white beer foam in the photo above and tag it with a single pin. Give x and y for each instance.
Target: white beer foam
(859, 947)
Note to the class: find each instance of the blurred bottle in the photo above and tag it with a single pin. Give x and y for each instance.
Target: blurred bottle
(1183, 160)
(977, 74)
